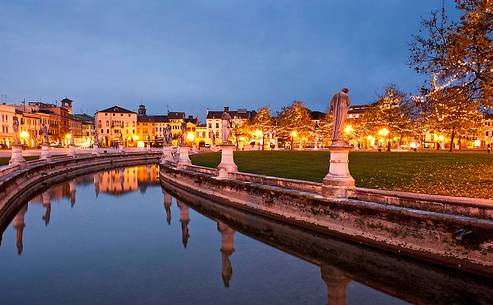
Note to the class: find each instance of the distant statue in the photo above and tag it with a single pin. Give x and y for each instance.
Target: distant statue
(226, 127)
(96, 140)
(338, 107)
(167, 136)
(148, 141)
(44, 130)
(15, 127)
(213, 138)
(120, 142)
(182, 137)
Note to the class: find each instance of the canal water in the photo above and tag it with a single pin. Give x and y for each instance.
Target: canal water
(119, 237)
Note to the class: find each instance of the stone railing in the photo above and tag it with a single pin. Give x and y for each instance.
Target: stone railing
(470, 207)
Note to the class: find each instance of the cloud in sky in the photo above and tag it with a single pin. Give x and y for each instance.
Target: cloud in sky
(193, 55)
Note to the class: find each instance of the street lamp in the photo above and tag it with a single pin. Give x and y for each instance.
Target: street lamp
(68, 136)
(24, 135)
(190, 138)
(385, 132)
(293, 134)
(259, 134)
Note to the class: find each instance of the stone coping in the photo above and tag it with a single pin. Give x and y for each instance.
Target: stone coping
(469, 207)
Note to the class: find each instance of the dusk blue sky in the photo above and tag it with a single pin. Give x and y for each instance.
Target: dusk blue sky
(194, 55)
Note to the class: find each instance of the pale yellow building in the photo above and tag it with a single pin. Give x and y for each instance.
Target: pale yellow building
(111, 121)
(214, 122)
(7, 113)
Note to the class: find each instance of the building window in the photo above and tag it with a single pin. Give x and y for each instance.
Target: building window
(217, 125)
(107, 131)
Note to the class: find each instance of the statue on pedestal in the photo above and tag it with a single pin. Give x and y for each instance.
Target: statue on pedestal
(167, 137)
(339, 106)
(96, 139)
(226, 127)
(148, 140)
(213, 138)
(120, 141)
(182, 137)
(44, 131)
(15, 127)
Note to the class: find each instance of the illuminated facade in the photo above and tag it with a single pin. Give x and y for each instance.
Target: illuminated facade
(214, 124)
(111, 121)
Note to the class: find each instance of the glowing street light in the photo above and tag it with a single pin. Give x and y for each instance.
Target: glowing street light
(293, 134)
(348, 129)
(24, 134)
(135, 137)
(383, 132)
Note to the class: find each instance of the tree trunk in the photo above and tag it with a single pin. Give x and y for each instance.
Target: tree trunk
(452, 140)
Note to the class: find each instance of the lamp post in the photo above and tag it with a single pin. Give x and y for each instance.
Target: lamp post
(385, 132)
(190, 138)
(293, 134)
(259, 134)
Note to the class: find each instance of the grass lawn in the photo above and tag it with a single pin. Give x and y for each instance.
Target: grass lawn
(5, 160)
(455, 174)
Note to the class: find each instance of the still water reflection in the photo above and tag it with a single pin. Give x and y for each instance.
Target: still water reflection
(118, 237)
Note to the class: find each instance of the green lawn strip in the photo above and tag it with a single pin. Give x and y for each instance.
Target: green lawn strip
(455, 174)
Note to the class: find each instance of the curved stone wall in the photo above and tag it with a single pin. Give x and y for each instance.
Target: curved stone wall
(18, 183)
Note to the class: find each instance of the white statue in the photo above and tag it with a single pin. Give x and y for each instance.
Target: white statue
(44, 130)
(226, 127)
(15, 127)
(338, 107)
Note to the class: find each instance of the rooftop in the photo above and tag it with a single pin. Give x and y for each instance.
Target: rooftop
(116, 109)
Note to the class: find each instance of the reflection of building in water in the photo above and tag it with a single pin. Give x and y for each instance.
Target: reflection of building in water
(120, 181)
(336, 282)
(227, 249)
(19, 224)
(185, 220)
(167, 205)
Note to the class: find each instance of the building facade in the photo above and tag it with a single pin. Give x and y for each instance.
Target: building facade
(111, 122)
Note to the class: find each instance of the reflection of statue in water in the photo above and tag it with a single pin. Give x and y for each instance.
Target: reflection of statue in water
(226, 127)
(227, 249)
(15, 127)
(185, 220)
(167, 206)
(336, 282)
(338, 107)
(19, 224)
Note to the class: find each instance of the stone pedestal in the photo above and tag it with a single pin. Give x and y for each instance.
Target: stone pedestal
(183, 158)
(17, 158)
(338, 181)
(71, 150)
(227, 164)
(45, 152)
(167, 155)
